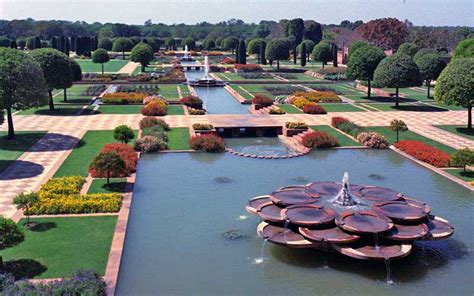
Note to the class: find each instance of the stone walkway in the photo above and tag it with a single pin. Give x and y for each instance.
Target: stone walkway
(38, 164)
(128, 68)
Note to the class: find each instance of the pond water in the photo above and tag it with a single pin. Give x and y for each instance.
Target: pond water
(260, 146)
(216, 100)
(185, 203)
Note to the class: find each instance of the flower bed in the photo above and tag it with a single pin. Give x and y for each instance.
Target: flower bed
(124, 98)
(155, 108)
(192, 102)
(319, 139)
(227, 60)
(313, 108)
(372, 140)
(247, 68)
(207, 143)
(260, 101)
(319, 96)
(293, 128)
(94, 90)
(153, 136)
(150, 89)
(424, 152)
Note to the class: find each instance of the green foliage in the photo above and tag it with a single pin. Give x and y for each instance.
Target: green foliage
(398, 126)
(462, 158)
(253, 46)
(122, 44)
(424, 51)
(24, 201)
(105, 43)
(295, 30)
(100, 56)
(303, 53)
(10, 234)
(190, 42)
(209, 44)
(123, 133)
(356, 45)
(313, 31)
(108, 163)
(4, 41)
(230, 43)
(309, 44)
(363, 62)
(142, 53)
(76, 70)
(465, 49)
(277, 49)
(170, 43)
(242, 52)
(430, 65)
(55, 66)
(409, 49)
(397, 71)
(322, 53)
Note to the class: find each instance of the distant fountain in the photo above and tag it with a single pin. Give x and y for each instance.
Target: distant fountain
(186, 56)
(207, 80)
(344, 197)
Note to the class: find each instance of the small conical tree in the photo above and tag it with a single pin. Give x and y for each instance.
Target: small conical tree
(334, 55)
(263, 59)
(303, 54)
(78, 46)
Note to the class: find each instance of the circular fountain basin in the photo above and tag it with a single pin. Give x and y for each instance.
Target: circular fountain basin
(270, 212)
(363, 222)
(400, 210)
(308, 215)
(378, 193)
(331, 235)
(439, 228)
(290, 197)
(282, 236)
(407, 232)
(382, 252)
(324, 188)
(254, 205)
(417, 203)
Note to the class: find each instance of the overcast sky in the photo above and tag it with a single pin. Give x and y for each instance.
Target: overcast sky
(420, 12)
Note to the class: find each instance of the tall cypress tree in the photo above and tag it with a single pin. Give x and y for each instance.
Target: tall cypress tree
(62, 45)
(94, 43)
(334, 55)
(237, 56)
(54, 43)
(73, 43)
(242, 52)
(37, 42)
(13, 45)
(303, 54)
(78, 46)
(263, 60)
(66, 47)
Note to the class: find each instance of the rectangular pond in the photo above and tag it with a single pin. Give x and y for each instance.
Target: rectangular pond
(183, 205)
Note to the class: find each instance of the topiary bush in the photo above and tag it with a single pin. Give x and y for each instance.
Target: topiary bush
(123, 133)
(155, 131)
(151, 121)
(154, 108)
(462, 158)
(197, 112)
(277, 111)
(262, 100)
(207, 143)
(313, 108)
(319, 139)
(373, 140)
(296, 125)
(192, 102)
(150, 144)
(202, 127)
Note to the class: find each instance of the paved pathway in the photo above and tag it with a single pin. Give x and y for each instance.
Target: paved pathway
(44, 158)
(128, 68)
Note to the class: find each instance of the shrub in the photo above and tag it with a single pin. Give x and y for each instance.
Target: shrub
(336, 121)
(155, 131)
(350, 128)
(124, 98)
(192, 102)
(123, 133)
(197, 112)
(227, 60)
(150, 144)
(313, 108)
(202, 127)
(318, 139)
(300, 102)
(80, 283)
(262, 100)
(108, 164)
(373, 140)
(296, 125)
(462, 158)
(207, 143)
(248, 67)
(153, 98)
(154, 108)
(277, 111)
(319, 96)
(424, 152)
(151, 121)
(126, 153)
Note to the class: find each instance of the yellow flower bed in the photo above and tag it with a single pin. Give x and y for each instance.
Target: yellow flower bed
(62, 196)
(124, 98)
(300, 102)
(319, 96)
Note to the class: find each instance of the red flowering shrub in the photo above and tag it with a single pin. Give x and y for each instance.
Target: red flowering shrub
(154, 109)
(192, 102)
(228, 60)
(262, 100)
(207, 143)
(318, 139)
(336, 121)
(313, 108)
(248, 67)
(424, 152)
(126, 153)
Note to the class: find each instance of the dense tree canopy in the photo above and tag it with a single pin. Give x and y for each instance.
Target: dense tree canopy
(424, 51)
(322, 53)
(170, 43)
(430, 66)
(11, 236)
(122, 45)
(209, 44)
(142, 53)
(363, 63)
(190, 42)
(455, 85)
(465, 49)
(408, 48)
(105, 43)
(386, 33)
(313, 31)
(253, 47)
(356, 45)
(230, 43)
(277, 50)
(100, 56)
(397, 71)
(22, 84)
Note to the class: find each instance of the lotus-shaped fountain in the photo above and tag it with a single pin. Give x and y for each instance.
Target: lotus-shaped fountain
(363, 222)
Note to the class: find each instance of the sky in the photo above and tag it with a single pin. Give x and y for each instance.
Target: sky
(419, 12)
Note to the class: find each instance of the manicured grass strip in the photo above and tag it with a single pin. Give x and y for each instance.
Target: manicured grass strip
(290, 109)
(341, 107)
(87, 66)
(169, 91)
(10, 150)
(178, 138)
(60, 109)
(449, 107)
(135, 109)
(100, 186)
(408, 135)
(175, 110)
(459, 130)
(77, 163)
(64, 245)
(467, 176)
(406, 107)
(343, 139)
(242, 92)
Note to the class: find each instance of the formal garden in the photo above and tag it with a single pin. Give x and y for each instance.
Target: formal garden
(131, 159)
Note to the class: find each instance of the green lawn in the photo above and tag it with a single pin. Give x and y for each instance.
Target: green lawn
(467, 176)
(405, 107)
(409, 135)
(462, 131)
(100, 185)
(169, 91)
(60, 110)
(77, 163)
(343, 139)
(242, 92)
(290, 109)
(76, 94)
(112, 66)
(57, 247)
(178, 138)
(135, 109)
(410, 93)
(10, 150)
(260, 89)
(175, 110)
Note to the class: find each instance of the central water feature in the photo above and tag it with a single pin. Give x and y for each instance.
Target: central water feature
(260, 146)
(188, 233)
